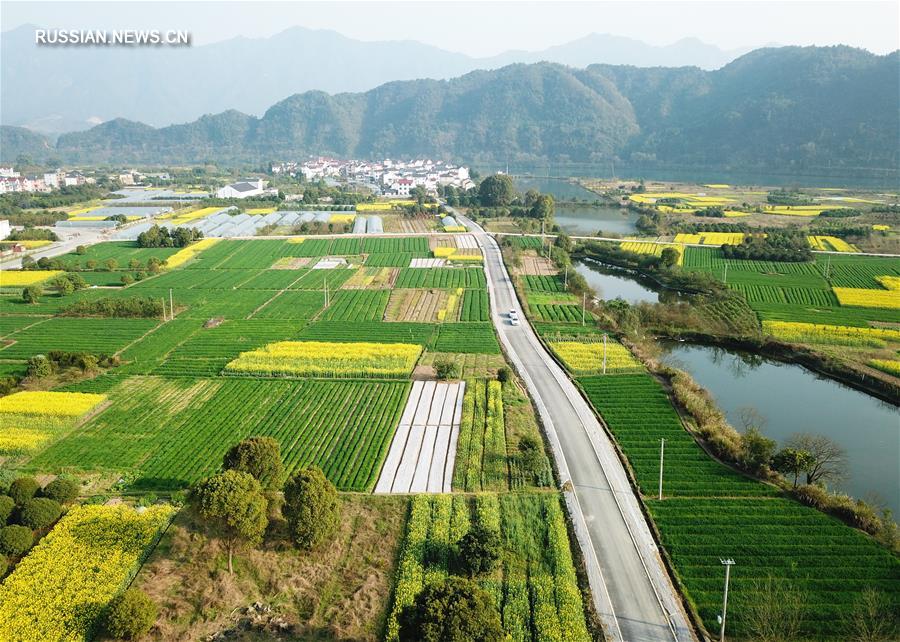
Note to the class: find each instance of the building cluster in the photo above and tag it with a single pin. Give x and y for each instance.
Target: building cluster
(387, 177)
(13, 181)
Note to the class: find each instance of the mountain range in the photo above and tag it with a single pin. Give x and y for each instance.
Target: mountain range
(774, 108)
(60, 89)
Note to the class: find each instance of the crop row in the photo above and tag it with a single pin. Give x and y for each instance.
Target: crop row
(811, 556)
(172, 432)
(441, 278)
(320, 359)
(790, 295)
(77, 335)
(544, 283)
(475, 306)
(61, 587)
(590, 357)
(536, 591)
(831, 334)
(481, 448)
(639, 414)
(356, 305)
(565, 313)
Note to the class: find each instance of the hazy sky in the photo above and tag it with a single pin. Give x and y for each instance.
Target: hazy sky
(487, 28)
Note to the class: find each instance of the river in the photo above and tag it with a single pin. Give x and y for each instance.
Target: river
(582, 219)
(787, 398)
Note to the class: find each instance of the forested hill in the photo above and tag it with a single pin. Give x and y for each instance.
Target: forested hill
(784, 107)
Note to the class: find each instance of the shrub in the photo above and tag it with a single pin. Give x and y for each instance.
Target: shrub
(6, 508)
(130, 615)
(15, 540)
(479, 550)
(61, 490)
(32, 293)
(503, 374)
(445, 369)
(257, 456)
(39, 367)
(39, 512)
(4, 565)
(455, 610)
(311, 507)
(23, 489)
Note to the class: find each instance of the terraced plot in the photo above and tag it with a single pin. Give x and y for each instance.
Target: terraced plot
(416, 305)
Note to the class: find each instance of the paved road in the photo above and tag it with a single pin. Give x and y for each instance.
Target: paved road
(632, 591)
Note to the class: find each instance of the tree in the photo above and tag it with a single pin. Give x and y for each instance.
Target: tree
(418, 192)
(790, 461)
(127, 279)
(233, 505)
(90, 264)
(455, 610)
(479, 550)
(756, 449)
(6, 508)
(259, 457)
(445, 368)
(130, 615)
(775, 613)
(80, 250)
(503, 374)
(532, 454)
(496, 190)
(111, 264)
(312, 508)
(542, 208)
(39, 512)
(76, 280)
(829, 460)
(873, 618)
(64, 286)
(15, 540)
(669, 257)
(23, 489)
(62, 490)
(32, 294)
(39, 367)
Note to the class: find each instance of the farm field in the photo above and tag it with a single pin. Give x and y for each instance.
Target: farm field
(335, 364)
(422, 454)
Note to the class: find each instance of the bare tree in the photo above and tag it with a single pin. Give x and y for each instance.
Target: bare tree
(829, 459)
(773, 610)
(872, 618)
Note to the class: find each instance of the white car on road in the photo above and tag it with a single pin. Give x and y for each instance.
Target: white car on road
(513, 317)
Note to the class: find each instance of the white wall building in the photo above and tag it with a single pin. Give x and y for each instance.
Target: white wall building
(4, 229)
(242, 189)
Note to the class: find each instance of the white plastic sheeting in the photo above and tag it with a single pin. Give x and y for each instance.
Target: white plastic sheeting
(427, 263)
(374, 225)
(423, 451)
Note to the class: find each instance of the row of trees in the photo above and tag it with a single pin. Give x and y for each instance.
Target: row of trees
(158, 236)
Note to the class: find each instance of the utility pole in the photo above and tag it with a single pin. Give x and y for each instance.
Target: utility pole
(726, 272)
(164, 309)
(662, 449)
(582, 307)
(604, 353)
(325, 285)
(728, 563)
(566, 282)
(171, 306)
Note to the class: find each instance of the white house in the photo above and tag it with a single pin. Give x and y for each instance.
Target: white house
(242, 189)
(4, 229)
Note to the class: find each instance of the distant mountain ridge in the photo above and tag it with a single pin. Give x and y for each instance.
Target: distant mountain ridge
(59, 89)
(772, 108)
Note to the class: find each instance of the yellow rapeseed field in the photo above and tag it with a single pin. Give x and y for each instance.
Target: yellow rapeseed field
(27, 244)
(868, 298)
(60, 588)
(881, 228)
(830, 244)
(711, 238)
(890, 282)
(179, 218)
(58, 404)
(443, 252)
(260, 210)
(643, 247)
(831, 334)
(83, 210)
(19, 440)
(342, 219)
(20, 278)
(587, 358)
(326, 359)
(890, 366)
(185, 254)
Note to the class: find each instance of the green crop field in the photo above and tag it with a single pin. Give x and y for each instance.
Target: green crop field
(565, 313)
(827, 563)
(638, 412)
(535, 587)
(475, 306)
(535, 283)
(173, 432)
(441, 278)
(465, 337)
(481, 450)
(356, 305)
(102, 336)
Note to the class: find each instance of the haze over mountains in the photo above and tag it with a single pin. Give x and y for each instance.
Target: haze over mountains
(60, 89)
